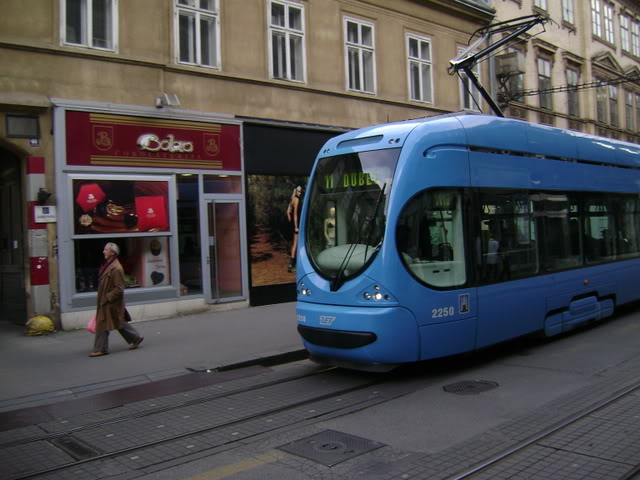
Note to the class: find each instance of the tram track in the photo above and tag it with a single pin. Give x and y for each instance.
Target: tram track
(212, 421)
(156, 410)
(509, 453)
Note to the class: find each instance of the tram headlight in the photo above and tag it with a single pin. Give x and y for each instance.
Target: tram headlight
(376, 293)
(305, 292)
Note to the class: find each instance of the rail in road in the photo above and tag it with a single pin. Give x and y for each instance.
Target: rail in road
(116, 441)
(591, 433)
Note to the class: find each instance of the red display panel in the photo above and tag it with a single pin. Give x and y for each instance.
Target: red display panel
(100, 139)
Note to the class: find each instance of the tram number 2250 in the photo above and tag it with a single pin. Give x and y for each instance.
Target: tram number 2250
(442, 312)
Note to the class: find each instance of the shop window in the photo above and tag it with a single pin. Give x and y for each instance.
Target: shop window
(123, 212)
(120, 206)
(189, 235)
(90, 23)
(145, 260)
(222, 184)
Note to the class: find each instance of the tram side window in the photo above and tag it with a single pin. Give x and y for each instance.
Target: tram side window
(430, 238)
(559, 227)
(599, 229)
(505, 247)
(627, 220)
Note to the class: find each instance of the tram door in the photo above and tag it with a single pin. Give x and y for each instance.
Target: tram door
(12, 292)
(224, 255)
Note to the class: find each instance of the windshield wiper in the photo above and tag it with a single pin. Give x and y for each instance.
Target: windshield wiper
(338, 281)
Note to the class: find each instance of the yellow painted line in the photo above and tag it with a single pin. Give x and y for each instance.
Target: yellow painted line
(233, 468)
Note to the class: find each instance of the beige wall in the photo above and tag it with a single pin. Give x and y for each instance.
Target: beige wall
(143, 65)
(577, 41)
(37, 67)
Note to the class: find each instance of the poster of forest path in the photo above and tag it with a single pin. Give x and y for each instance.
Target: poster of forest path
(269, 258)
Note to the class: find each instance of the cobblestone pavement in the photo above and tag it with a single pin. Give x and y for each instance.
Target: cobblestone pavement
(592, 433)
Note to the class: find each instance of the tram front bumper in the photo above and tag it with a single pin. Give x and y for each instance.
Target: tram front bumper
(359, 334)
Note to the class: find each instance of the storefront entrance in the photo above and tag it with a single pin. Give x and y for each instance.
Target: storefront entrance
(12, 286)
(224, 254)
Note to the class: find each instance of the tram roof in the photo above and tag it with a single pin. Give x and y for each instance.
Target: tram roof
(490, 133)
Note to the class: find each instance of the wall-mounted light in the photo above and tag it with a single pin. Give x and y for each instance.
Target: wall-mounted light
(167, 100)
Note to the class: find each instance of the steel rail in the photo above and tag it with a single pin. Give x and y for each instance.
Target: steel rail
(520, 446)
(199, 431)
(153, 411)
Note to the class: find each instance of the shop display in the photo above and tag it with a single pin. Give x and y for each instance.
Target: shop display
(120, 206)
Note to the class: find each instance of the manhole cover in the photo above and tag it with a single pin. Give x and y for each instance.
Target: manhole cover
(330, 447)
(470, 387)
(78, 450)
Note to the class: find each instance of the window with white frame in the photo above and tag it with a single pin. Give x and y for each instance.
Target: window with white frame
(628, 110)
(602, 20)
(613, 106)
(637, 95)
(544, 83)
(568, 12)
(197, 27)
(90, 23)
(573, 99)
(286, 45)
(625, 33)
(469, 94)
(596, 17)
(609, 35)
(635, 38)
(601, 101)
(360, 55)
(540, 4)
(420, 71)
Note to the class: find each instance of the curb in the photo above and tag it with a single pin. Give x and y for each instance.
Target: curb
(264, 361)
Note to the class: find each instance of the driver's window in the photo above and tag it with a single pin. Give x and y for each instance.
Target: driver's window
(430, 240)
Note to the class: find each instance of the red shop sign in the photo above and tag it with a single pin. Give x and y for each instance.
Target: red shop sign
(100, 139)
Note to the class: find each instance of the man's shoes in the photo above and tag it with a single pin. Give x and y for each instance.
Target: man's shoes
(98, 354)
(135, 344)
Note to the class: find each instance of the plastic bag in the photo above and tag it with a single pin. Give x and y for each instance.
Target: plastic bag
(91, 326)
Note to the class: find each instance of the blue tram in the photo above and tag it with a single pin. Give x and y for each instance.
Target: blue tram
(437, 236)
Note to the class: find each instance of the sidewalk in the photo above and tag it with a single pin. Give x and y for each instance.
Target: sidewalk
(45, 369)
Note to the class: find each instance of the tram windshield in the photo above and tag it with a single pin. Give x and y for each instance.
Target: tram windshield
(347, 211)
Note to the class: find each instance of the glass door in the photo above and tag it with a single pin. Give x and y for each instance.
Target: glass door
(224, 257)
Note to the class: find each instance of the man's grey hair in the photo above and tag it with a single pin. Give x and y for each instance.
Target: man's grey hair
(113, 247)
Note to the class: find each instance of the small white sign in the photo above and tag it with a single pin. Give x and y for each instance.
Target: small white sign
(45, 214)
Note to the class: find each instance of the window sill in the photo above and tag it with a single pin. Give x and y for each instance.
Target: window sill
(92, 49)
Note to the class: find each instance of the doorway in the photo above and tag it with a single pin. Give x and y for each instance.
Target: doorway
(13, 301)
(224, 254)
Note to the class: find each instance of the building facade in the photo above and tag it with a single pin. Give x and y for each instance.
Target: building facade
(580, 72)
(179, 129)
